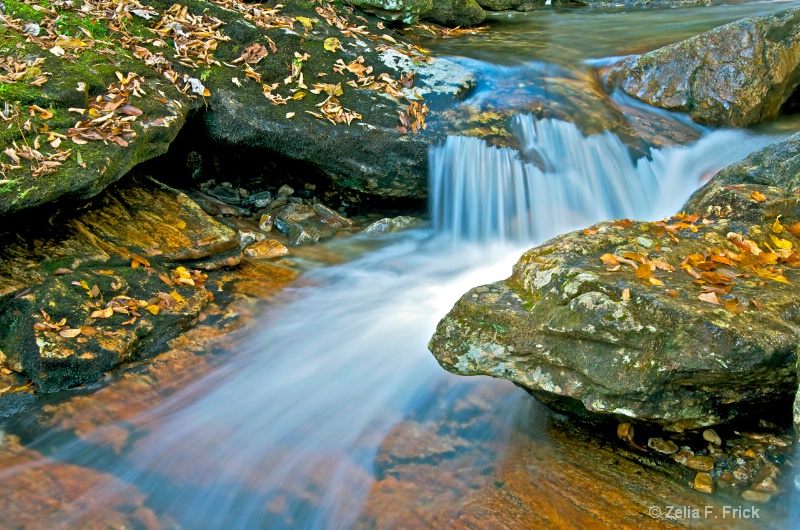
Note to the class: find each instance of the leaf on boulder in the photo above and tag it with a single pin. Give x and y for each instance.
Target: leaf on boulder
(332, 44)
(711, 298)
(758, 196)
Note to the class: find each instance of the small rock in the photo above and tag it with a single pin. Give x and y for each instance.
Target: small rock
(269, 248)
(388, 224)
(743, 473)
(756, 496)
(765, 478)
(704, 483)
(243, 193)
(257, 200)
(286, 191)
(726, 480)
(700, 463)
(625, 431)
(225, 194)
(294, 200)
(266, 222)
(248, 237)
(277, 203)
(682, 456)
(226, 185)
(332, 217)
(660, 445)
(711, 436)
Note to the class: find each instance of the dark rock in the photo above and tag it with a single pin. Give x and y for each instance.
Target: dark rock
(456, 13)
(560, 328)
(225, 194)
(406, 11)
(258, 200)
(299, 223)
(735, 75)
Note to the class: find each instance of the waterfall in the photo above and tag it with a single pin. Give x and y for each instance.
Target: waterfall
(562, 180)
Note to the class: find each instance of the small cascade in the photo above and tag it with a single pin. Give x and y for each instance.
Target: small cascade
(563, 180)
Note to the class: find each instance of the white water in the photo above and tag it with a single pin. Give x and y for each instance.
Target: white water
(481, 193)
(307, 402)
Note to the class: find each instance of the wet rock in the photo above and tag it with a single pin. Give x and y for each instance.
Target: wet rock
(456, 13)
(137, 222)
(248, 237)
(703, 482)
(407, 11)
(756, 496)
(258, 200)
(286, 190)
(700, 463)
(559, 328)
(683, 456)
(332, 217)
(268, 248)
(665, 447)
(711, 436)
(226, 194)
(300, 223)
(766, 478)
(499, 5)
(392, 224)
(735, 75)
(266, 222)
(625, 431)
(215, 207)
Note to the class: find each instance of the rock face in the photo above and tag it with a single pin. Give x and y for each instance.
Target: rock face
(686, 323)
(735, 75)
(456, 13)
(104, 286)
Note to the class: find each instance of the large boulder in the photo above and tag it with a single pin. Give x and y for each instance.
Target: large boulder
(735, 75)
(685, 323)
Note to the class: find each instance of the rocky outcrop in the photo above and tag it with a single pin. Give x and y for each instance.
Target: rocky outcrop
(108, 284)
(735, 75)
(685, 323)
(323, 94)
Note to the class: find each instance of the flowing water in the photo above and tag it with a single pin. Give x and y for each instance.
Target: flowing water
(292, 429)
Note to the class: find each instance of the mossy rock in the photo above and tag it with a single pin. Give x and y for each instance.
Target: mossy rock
(589, 338)
(138, 218)
(735, 75)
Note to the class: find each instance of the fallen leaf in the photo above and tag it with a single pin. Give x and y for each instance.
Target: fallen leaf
(757, 304)
(672, 292)
(89, 331)
(103, 313)
(777, 227)
(62, 271)
(626, 295)
(307, 22)
(332, 44)
(644, 272)
(289, 115)
(783, 244)
(69, 333)
(95, 292)
(656, 281)
(154, 309)
(711, 298)
(758, 196)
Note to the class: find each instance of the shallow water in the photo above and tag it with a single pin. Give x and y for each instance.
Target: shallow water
(333, 414)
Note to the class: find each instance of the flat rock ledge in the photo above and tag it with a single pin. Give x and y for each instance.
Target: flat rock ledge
(685, 323)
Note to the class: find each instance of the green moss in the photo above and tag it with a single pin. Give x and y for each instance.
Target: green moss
(23, 11)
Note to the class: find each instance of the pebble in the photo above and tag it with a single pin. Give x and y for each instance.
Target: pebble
(660, 445)
(756, 496)
(682, 456)
(269, 248)
(726, 479)
(625, 431)
(266, 222)
(700, 463)
(248, 237)
(711, 436)
(703, 482)
(286, 191)
(225, 194)
(764, 480)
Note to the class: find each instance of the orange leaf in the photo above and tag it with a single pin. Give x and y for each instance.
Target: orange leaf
(644, 272)
(758, 196)
(626, 295)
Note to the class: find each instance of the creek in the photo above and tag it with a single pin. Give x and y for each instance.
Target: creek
(331, 413)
